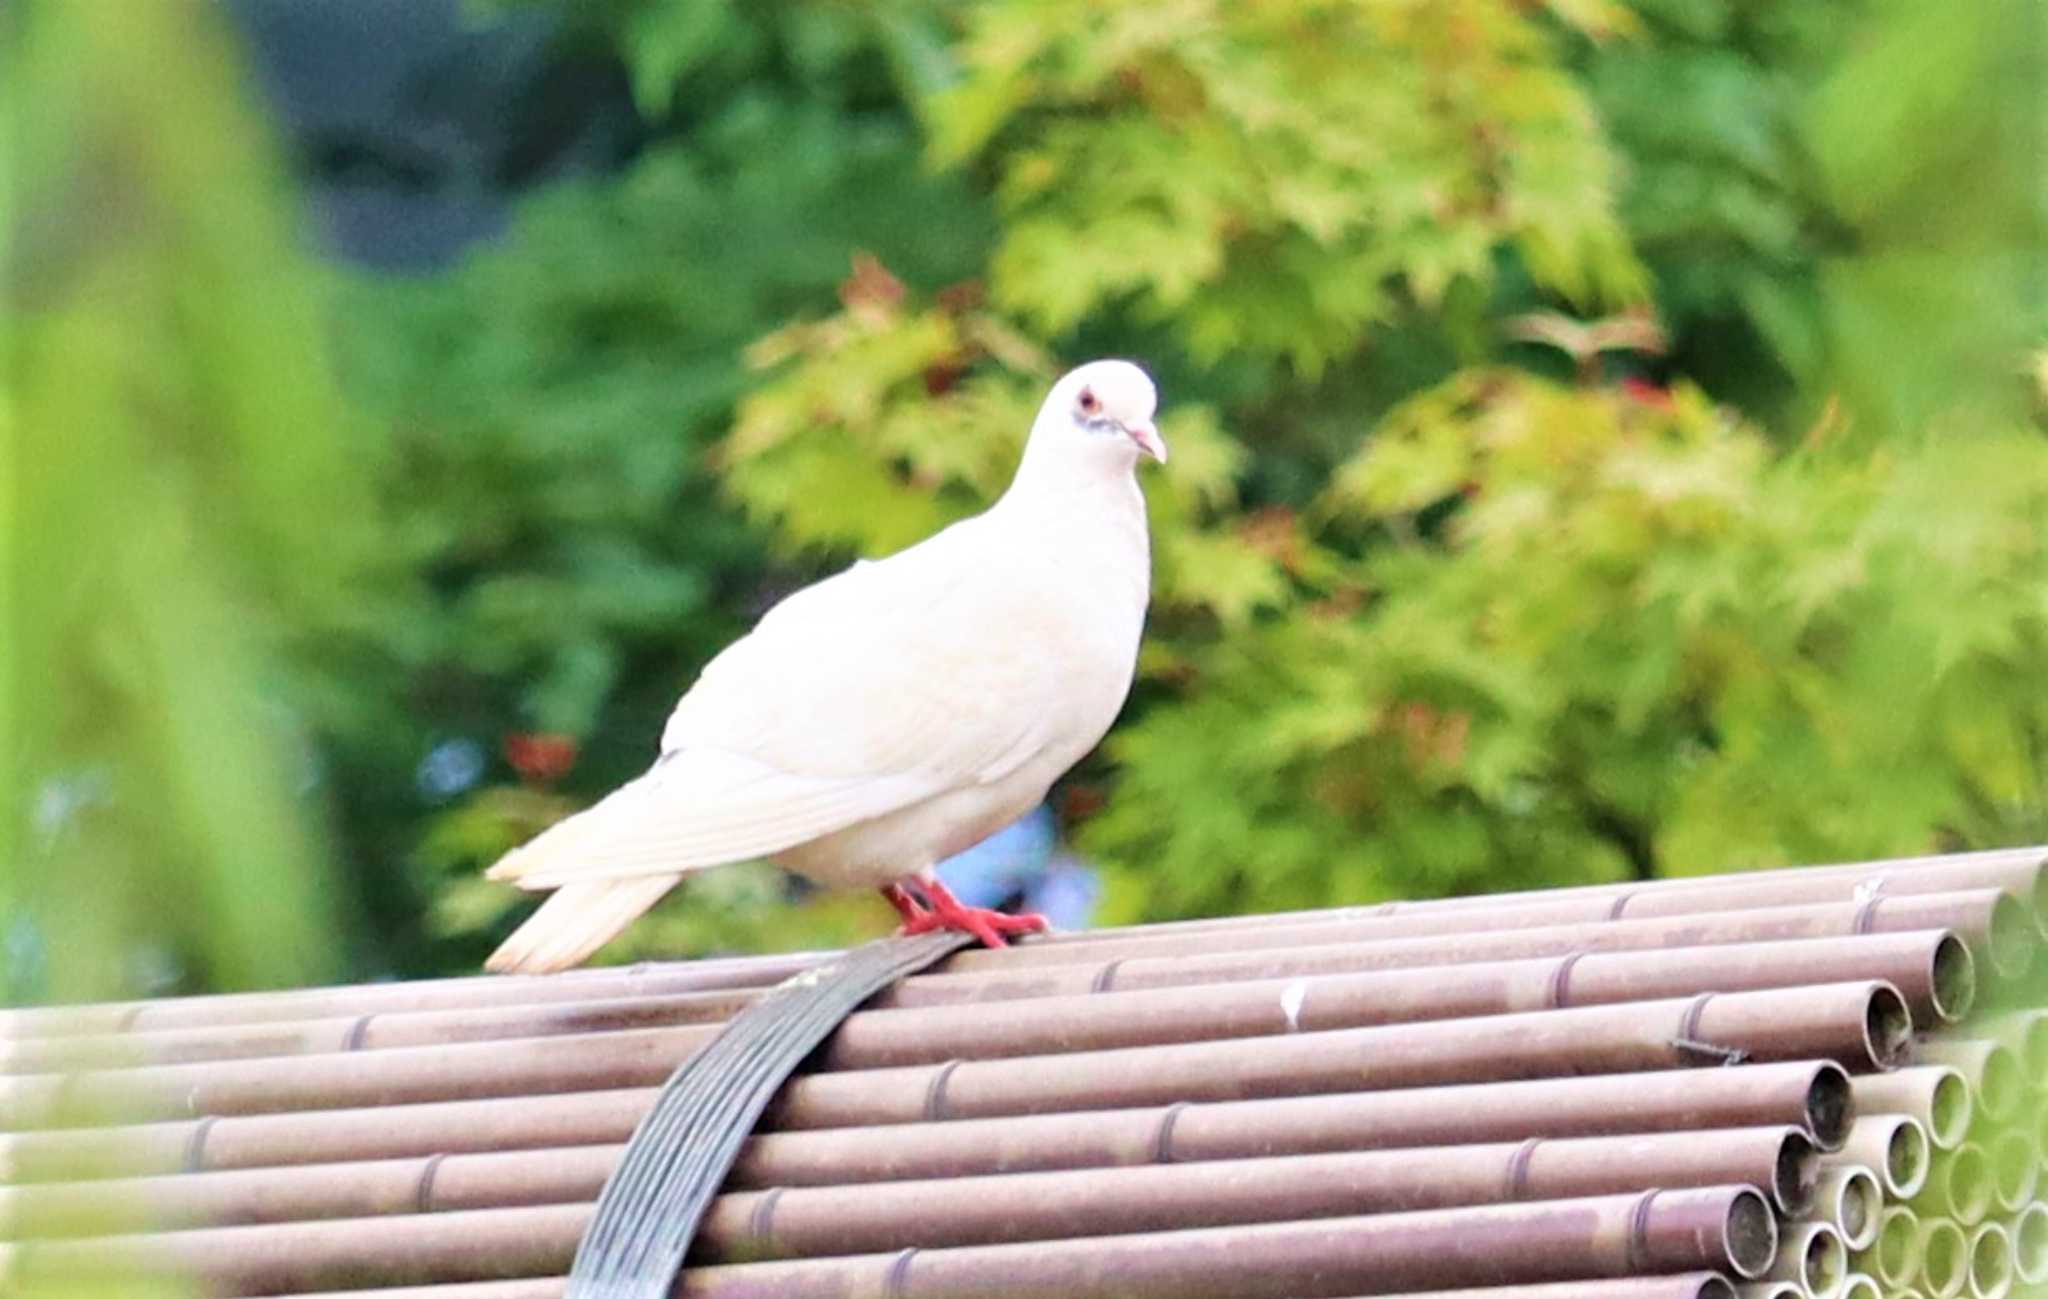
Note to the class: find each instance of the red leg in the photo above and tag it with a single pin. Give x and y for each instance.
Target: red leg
(948, 912)
(907, 906)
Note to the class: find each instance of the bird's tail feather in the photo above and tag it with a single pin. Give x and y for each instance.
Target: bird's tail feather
(576, 921)
(579, 837)
(580, 917)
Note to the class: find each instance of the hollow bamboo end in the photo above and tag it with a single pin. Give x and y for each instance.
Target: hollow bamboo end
(1952, 979)
(2014, 937)
(1829, 1105)
(1944, 1256)
(1991, 1267)
(1749, 1234)
(2000, 1084)
(1897, 1253)
(1968, 1184)
(1887, 1027)
(1907, 1154)
(2030, 1244)
(1855, 1203)
(1795, 1172)
(2015, 1170)
(1948, 1110)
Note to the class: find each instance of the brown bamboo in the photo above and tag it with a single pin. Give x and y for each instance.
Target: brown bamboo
(2022, 872)
(525, 1288)
(652, 978)
(2008, 870)
(1715, 1228)
(1866, 1022)
(1999, 928)
(1812, 1256)
(369, 1032)
(1812, 1095)
(1973, 916)
(785, 1222)
(1683, 1285)
(1931, 968)
(1944, 1258)
(1852, 1022)
(1997, 1079)
(1991, 1271)
(1053, 1206)
(1893, 1146)
(1936, 1095)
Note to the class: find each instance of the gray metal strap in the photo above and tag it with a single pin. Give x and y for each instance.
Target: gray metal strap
(681, 1152)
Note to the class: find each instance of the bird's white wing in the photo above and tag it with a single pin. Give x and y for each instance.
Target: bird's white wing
(868, 692)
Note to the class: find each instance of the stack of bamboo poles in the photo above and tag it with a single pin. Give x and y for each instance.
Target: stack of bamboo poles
(1823, 1082)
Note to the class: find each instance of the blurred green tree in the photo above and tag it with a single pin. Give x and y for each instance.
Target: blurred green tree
(188, 523)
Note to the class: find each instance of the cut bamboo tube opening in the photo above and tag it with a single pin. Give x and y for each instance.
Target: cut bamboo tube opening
(1850, 1200)
(1996, 1077)
(1944, 1258)
(1894, 1146)
(1936, 1095)
(2015, 1169)
(1990, 1262)
(1811, 1255)
(1959, 1186)
(1895, 1258)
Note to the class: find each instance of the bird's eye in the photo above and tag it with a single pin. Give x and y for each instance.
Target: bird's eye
(1090, 403)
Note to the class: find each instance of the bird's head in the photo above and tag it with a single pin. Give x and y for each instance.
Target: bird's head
(1106, 409)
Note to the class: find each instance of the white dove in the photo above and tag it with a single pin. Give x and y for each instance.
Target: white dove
(894, 714)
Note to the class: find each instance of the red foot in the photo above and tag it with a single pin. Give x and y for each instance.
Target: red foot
(945, 911)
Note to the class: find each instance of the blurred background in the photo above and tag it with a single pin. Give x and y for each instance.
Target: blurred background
(1609, 439)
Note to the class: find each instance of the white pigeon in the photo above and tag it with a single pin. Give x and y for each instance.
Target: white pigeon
(894, 714)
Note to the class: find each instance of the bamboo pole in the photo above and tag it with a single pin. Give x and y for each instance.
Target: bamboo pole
(1863, 1022)
(1932, 969)
(1810, 1095)
(2021, 871)
(1717, 1228)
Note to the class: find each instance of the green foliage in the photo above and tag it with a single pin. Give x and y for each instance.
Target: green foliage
(1205, 164)
(1596, 446)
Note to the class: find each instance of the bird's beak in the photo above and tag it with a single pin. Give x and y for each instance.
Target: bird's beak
(1146, 435)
